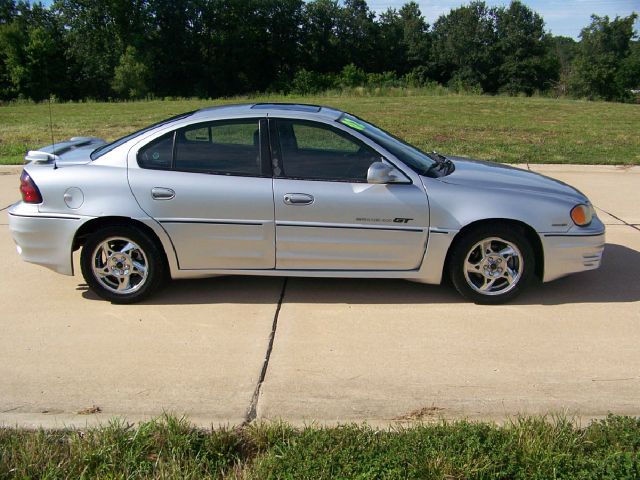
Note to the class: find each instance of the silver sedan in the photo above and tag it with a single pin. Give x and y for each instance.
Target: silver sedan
(293, 190)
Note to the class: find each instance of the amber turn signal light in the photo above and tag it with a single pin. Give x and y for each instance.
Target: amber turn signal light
(581, 215)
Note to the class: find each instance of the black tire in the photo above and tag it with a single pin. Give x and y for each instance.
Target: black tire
(128, 264)
(488, 269)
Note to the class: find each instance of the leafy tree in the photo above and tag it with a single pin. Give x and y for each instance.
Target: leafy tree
(630, 69)
(7, 11)
(603, 68)
(392, 52)
(130, 77)
(12, 40)
(98, 32)
(563, 50)
(357, 34)
(524, 51)
(282, 20)
(463, 47)
(319, 36)
(352, 76)
(176, 48)
(415, 36)
(236, 42)
(32, 51)
(306, 82)
(131, 48)
(403, 42)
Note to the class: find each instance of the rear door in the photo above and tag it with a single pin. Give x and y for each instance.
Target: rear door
(327, 216)
(209, 185)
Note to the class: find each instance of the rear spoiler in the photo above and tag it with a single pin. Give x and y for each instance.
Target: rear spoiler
(38, 156)
(53, 153)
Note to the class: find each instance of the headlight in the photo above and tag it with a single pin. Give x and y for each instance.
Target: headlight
(582, 215)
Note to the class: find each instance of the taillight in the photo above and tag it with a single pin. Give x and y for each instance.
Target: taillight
(29, 190)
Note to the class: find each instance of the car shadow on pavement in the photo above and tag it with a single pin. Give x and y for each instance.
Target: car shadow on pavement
(615, 281)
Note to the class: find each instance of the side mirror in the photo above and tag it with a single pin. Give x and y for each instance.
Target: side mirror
(380, 172)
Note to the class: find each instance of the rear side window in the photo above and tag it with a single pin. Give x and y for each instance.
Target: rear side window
(314, 151)
(226, 148)
(157, 154)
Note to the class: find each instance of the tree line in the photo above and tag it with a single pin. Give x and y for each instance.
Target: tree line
(105, 49)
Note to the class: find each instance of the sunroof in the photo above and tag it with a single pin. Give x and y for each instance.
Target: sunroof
(287, 106)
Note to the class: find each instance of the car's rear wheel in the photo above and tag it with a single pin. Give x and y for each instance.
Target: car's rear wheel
(492, 264)
(121, 263)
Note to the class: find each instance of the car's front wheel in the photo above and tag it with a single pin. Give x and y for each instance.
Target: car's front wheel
(492, 264)
(121, 263)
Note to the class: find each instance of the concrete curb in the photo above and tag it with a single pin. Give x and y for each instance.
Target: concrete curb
(556, 168)
(10, 169)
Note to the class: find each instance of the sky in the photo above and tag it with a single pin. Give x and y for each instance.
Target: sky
(562, 17)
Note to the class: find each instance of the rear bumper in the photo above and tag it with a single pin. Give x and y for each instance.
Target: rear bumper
(572, 252)
(44, 239)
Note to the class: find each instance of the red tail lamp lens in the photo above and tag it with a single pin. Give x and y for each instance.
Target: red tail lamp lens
(29, 190)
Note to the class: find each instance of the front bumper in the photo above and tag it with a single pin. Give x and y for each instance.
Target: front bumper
(44, 239)
(575, 251)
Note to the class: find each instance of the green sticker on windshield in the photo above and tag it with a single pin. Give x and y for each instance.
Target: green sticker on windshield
(352, 123)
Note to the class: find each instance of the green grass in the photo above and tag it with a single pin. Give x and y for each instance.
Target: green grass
(529, 448)
(506, 129)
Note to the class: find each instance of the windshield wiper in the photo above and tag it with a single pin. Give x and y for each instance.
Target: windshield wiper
(438, 165)
(442, 163)
(438, 157)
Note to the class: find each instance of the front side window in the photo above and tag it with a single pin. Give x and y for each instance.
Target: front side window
(223, 147)
(408, 154)
(313, 151)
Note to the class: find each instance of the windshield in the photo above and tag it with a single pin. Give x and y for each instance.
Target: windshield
(408, 154)
(103, 149)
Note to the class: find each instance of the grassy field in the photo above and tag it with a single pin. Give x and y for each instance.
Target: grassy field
(530, 448)
(506, 129)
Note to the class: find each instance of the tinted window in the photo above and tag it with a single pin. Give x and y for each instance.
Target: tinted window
(228, 148)
(158, 153)
(317, 152)
(410, 155)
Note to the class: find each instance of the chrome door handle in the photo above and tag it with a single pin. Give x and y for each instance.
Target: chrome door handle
(298, 199)
(160, 193)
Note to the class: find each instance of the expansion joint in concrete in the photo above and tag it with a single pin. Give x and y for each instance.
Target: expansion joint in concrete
(632, 225)
(253, 406)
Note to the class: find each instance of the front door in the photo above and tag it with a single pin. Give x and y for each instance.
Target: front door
(328, 217)
(207, 186)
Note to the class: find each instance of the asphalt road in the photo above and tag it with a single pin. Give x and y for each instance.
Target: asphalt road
(343, 350)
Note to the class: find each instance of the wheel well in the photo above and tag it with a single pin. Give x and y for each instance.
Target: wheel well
(528, 231)
(92, 226)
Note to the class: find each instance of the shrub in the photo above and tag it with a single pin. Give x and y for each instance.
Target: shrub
(130, 77)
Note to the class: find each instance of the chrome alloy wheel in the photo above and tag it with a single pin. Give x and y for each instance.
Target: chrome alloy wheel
(493, 266)
(120, 265)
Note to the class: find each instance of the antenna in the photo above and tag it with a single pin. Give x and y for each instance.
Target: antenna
(51, 130)
(51, 127)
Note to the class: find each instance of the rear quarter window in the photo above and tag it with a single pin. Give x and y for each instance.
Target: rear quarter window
(157, 154)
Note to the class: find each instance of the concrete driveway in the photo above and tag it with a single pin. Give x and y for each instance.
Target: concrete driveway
(340, 350)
